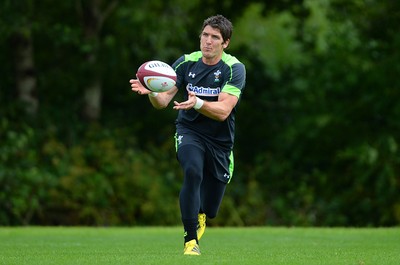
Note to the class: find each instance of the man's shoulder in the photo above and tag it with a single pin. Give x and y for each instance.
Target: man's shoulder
(230, 59)
(186, 58)
(194, 56)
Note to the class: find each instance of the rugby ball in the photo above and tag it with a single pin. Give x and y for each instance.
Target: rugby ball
(156, 76)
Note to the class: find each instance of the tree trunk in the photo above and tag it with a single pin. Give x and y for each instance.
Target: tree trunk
(25, 70)
(93, 18)
(92, 100)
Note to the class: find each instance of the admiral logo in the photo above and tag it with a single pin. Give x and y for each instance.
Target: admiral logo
(192, 75)
(203, 91)
(227, 176)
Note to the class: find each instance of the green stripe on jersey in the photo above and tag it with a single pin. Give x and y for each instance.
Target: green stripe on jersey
(194, 56)
(229, 59)
(231, 166)
(231, 90)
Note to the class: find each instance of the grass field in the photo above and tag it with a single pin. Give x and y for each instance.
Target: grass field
(164, 245)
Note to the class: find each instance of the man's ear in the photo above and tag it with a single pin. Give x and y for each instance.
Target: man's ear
(226, 44)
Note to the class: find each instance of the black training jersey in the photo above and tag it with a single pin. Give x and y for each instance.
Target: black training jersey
(207, 81)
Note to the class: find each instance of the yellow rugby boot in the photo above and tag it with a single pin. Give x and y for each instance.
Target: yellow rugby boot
(201, 227)
(191, 248)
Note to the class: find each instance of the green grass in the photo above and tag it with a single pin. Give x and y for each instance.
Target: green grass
(159, 245)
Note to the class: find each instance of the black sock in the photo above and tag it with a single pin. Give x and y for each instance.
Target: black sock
(190, 227)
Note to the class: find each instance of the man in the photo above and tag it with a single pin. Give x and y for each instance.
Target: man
(211, 82)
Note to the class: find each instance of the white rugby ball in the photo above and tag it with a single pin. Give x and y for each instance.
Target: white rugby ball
(156, 76)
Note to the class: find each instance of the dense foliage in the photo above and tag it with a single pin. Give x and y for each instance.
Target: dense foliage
(317, 128)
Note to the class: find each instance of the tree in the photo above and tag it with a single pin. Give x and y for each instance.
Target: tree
(93, 13)
(19, 18)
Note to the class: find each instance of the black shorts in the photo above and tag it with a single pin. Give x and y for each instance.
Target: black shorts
(217, 162)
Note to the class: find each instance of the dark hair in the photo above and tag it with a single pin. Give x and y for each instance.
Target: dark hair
(222, 23)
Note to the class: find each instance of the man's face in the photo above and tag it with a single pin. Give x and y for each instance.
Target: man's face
(211, 43)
